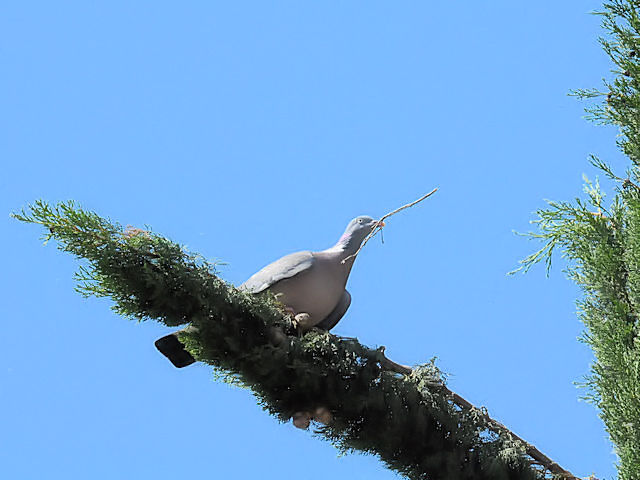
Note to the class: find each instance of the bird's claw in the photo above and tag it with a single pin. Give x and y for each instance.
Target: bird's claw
(302, 322)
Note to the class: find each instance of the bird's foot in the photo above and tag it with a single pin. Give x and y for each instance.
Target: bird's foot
(302, 322)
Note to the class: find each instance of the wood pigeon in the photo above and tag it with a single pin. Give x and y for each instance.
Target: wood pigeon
(311, 286)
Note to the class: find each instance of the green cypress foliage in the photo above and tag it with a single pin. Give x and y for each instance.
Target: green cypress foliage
(411, 422)
(601, 241)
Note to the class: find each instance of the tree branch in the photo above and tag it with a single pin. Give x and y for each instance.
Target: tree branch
(410, 421)
(537, 456)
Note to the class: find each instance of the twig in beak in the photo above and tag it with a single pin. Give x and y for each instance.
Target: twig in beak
(380, 223)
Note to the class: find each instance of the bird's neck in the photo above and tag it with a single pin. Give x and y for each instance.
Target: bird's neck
(347, 244)
(346, 247)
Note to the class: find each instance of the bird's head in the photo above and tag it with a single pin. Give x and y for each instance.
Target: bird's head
(356, 232)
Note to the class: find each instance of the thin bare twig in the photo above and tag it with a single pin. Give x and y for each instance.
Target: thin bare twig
(388, 364)
(497, 427)
(378, 227)
(537, 456)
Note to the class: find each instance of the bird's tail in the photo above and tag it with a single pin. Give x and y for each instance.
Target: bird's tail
(172, 348)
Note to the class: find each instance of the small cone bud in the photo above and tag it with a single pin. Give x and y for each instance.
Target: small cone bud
(301, 420)
(323, 415)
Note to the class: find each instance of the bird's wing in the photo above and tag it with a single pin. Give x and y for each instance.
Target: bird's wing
(286, 267)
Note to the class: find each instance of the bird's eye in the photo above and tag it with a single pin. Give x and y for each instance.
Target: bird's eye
(359, 220)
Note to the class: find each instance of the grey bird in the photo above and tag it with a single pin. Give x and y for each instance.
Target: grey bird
(311, 286)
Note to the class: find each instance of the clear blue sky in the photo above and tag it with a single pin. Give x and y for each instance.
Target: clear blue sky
(248, 130)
